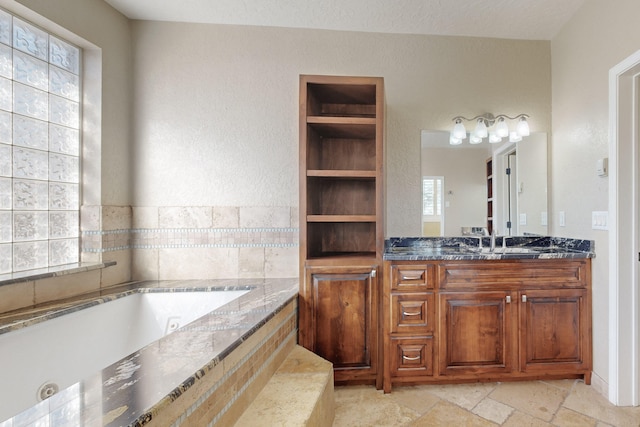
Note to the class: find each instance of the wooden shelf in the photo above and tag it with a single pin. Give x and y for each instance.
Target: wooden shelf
(341, 218)
(324, 173)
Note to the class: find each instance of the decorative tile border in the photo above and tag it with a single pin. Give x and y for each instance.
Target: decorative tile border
(96, 241)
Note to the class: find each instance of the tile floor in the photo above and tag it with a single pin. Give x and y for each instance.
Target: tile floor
(513, 404)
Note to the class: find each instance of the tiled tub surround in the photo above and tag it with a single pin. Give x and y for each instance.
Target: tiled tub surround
(202, 374)
(168, 242)
(468, 248)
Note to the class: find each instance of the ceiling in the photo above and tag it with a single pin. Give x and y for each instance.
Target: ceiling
(511, 19)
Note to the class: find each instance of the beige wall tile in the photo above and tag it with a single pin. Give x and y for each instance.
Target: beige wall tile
(66, 286)
(226, 217)
(119, 273)
(251, 263)
(258, 216)
(90, 217)
(16, 295)
(281, 262)
(145, 264)
(198, 263)
(185, 217)
(116, 217)
(145, 217)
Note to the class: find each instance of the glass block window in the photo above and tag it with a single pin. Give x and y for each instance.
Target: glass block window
(39, 147)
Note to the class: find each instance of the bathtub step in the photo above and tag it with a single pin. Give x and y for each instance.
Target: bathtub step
(300, 393)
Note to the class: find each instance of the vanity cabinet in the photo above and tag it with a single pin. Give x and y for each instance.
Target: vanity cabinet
(409, 321)
(494, 320)
(477, 334)
(342, 316)
(341, 222)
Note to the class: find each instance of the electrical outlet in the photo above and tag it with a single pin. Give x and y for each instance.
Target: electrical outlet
(561, 219)
(543, 218)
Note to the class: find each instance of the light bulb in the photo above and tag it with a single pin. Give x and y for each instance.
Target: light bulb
(454, 141)
(502, 129)
(494, 138)
(459, 131)
(515, 137)
(481, 129)
(523, 127)
(473, 139)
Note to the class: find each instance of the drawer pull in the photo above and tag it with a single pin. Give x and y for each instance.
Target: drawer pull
(416, 275)
(410, 358)
(415, 313)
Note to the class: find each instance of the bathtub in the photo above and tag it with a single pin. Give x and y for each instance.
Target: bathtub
(51, 355)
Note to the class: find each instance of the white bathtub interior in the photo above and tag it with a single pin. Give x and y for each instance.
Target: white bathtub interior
(68, 348)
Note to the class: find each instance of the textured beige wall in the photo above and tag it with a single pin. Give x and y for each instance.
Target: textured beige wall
(216, 106)
(599, 36)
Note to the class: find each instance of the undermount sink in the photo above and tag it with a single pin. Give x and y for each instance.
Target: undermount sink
(508, 250)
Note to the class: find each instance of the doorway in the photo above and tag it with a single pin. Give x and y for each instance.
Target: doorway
(624, 249)
(512, 194)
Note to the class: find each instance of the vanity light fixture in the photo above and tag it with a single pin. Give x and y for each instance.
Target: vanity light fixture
(483, 123)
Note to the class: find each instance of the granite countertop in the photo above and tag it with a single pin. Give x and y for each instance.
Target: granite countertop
(478, 248)
(157, 374)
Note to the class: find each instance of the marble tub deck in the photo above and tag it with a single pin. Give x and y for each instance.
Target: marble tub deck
(131, 390)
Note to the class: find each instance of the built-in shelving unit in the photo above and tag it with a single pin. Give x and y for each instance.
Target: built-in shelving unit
(341, 221)
(341, 166)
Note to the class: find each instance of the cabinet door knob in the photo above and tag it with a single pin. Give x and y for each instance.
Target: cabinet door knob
(410, 358)
(508, 299)
(524, 298)
(373, 273)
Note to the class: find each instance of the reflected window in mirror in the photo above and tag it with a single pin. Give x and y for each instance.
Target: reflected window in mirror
(432, 201)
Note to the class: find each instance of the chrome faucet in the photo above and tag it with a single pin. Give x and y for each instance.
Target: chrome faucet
(504, 242)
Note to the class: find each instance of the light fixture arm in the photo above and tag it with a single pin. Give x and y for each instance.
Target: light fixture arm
(489, 118)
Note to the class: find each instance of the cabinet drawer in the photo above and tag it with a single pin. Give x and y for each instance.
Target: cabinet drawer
(412, 312)
(413, 277)
(515, 274)
(411, 356)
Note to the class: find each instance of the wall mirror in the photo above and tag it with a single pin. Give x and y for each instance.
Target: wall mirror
(474, 189)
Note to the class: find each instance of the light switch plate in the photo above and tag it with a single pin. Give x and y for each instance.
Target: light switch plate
(543, 218)
(562, 219)
(523, 219)
(600, 220)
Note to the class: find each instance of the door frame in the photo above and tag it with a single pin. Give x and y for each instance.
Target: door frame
(624, 301)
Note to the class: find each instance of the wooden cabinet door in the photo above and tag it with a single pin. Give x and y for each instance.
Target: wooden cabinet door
(555, 330)
(477, 334)
(343, 320)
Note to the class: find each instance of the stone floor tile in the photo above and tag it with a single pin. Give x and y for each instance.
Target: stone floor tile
(586, 400)
(492, 410)
(445, 414)
(364, 406)
(568, 418)
(520, 419)
(534, 398)
(417, 398)
(464, 395)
